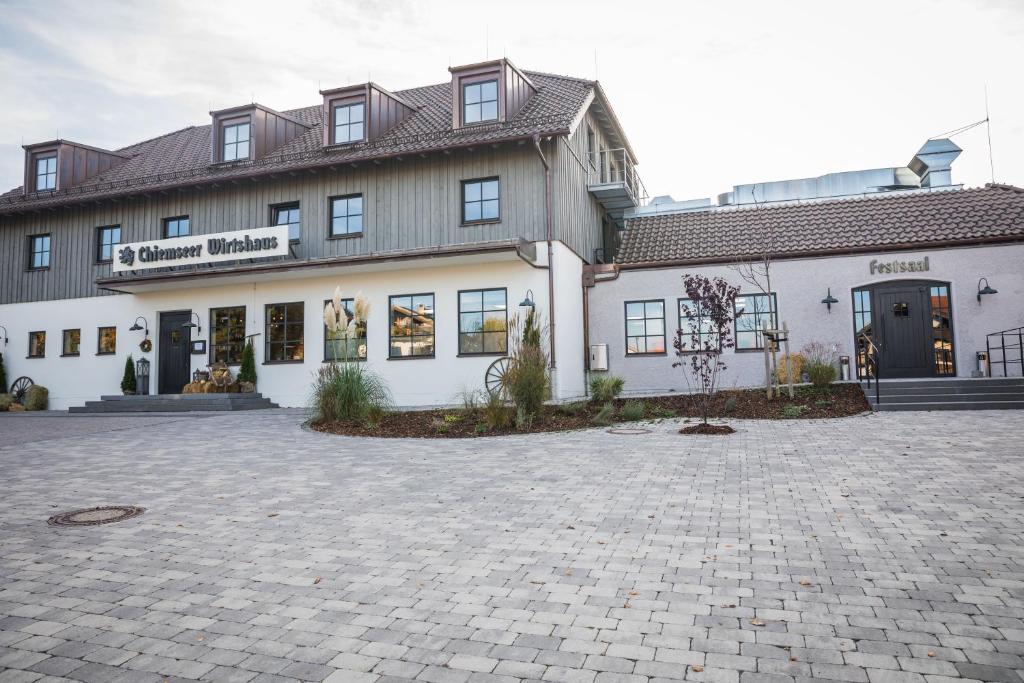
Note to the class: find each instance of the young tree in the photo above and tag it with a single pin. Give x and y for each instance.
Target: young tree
(247, 372)
(128, 380)
(705, 334)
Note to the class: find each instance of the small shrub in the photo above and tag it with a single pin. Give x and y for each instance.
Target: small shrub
(480, 428)
(452, 418)
(572, 408)
(730, 404)
(526, 379)
(247, 371)
(348, 392)
(5, 402)
(128, 381)
(471, 399)
(605, 415)
(793, 411)
(497, 415)
(37, 397)
(789, 368)
(604, 389)
(821, 374)
(632, 411)
(659, 412)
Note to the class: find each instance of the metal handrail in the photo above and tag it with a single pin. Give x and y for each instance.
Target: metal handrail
(873, 357)
(1016, 333)
(616, 166)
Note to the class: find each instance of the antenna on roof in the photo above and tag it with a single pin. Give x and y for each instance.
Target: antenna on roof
(988, 131)
(595, 63)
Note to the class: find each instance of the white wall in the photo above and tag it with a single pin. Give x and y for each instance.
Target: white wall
(801, 284)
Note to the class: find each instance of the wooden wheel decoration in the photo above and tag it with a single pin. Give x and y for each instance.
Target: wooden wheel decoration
(494, 378)
(19, 388)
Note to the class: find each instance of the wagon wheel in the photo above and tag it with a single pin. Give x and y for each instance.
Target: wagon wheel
(19, 388)
(494, 378)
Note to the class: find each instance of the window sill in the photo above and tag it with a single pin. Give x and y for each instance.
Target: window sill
(37, 270)
(104, 263)
(343, 360)
(283, 362)
(70, 355)
(484, 354)
(641, 355)
(490, 221)
(34, 357)
(759, 349)
(337, 146)
(106, 353)
(474, 124)
(410, 357)
(349, 236)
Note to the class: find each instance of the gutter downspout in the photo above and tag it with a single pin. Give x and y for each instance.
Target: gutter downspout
(550, 237)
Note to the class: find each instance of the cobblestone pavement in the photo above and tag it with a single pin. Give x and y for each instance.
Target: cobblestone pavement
(878, 549)
(19, 428)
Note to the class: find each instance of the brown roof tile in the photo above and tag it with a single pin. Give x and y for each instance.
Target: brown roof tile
(900, 220)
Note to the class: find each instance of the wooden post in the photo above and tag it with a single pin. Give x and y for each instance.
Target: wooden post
(767, 361)
(789, 358)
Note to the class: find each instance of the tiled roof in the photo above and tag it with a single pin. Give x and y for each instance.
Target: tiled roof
(183, 157)
(899, 220)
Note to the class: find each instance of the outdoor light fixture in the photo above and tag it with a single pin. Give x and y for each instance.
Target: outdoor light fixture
(528, 301)
(136, 327)
(829, 300)
(985, 290)
(198, 325)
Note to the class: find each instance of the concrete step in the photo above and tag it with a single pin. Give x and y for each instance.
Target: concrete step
(958, 389)
(949, 397)
(989, 393)
(958, 405)
(174, 403)
(953, 382)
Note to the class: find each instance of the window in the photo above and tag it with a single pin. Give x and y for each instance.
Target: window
(285, 333)
(754, 312)
(46, 173)
(348, 123)
(36, 344)
(480, 200)
(863, 331)
(72, 343)
(942, 330)
(106, 239)
(236, 141)
(227, 334)
(693, 318)
(645, 327)
(480, 102)
(345, 348)
(412, 326)
(901, 310)
(483, 321)
(39, 252)
(591, 148)
(288, 214)
(347, 215)
(106, 341)
(176, 227)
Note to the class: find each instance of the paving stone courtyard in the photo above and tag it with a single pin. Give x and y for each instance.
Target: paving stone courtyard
(878, 549)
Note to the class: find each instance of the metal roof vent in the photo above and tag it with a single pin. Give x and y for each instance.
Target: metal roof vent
(932, 162)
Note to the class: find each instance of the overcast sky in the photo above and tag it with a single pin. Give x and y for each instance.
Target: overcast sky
(711, 94)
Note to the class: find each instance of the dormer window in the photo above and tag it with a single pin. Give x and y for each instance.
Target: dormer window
(236, 141)
(480, 102)
(46, 172)
(348, 123)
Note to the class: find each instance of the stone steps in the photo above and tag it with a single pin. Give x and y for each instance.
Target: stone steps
(175, 403)
(948, 394)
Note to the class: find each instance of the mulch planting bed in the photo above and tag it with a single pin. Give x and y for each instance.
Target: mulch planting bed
(838, 400)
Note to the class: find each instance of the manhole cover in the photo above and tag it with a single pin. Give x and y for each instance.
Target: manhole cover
(94, 516)
(629, 430)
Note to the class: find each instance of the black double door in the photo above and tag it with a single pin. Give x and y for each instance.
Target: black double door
(174, 371)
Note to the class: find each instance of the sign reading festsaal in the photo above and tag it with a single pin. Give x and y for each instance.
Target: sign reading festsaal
(200, 249)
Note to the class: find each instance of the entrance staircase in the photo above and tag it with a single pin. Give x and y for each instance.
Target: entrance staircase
(948, 394)
(175, 403)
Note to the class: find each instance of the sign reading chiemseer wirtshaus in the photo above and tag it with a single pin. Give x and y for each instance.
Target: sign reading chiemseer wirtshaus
(200, 249)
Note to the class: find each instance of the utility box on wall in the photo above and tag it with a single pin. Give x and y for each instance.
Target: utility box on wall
(599, 357)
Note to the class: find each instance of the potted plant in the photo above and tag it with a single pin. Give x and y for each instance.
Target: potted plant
(247, 372)
(128, 383)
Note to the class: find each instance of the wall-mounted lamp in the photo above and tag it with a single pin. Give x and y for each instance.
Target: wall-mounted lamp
(5, 340)
(985, 290)
(829, 300)
(528, 301)
(136, 327)
(198, 324)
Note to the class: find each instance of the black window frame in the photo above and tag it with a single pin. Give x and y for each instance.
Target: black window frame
(101, 231)
(627, 336)
(391, 326)
(480, 181)
(275, 210)
(268, 345)
(225, 127)
(773, 312)
(30, 335)
(99, 340)
(45, 157)
(64, 343)
(348, 216)
(348, 126)
(213, 345)
(348, 308)
(683, 322)
(480, 103)
(32, 251)
(482, 311)
(177, 220)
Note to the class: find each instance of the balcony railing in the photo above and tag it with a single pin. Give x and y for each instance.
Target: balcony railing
(612, 177)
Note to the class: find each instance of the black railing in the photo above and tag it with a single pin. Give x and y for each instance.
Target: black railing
(1009, 344)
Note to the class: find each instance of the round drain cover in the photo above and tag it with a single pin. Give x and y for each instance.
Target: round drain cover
(94, 516)
(629, 430)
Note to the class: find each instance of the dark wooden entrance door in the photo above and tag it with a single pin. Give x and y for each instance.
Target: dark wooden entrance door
(174, 352)
(903, 336)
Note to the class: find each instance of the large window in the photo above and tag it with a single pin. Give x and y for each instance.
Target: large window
(347, 215)
(483, 321)
(288, 214)
(36, 344)
(412, 326)
(480, 102)
(72, 343)
(106, 239)
(754, 312)
(480, 200)
(106, 341)
(39, 252)
(227, 334)
(863, 331)
(942, 330)
(342, 347)
(236, 141)
(285, 333)
(692, 318)
(348, 123)
(176, 227)
(645, 327)
(46, 173)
